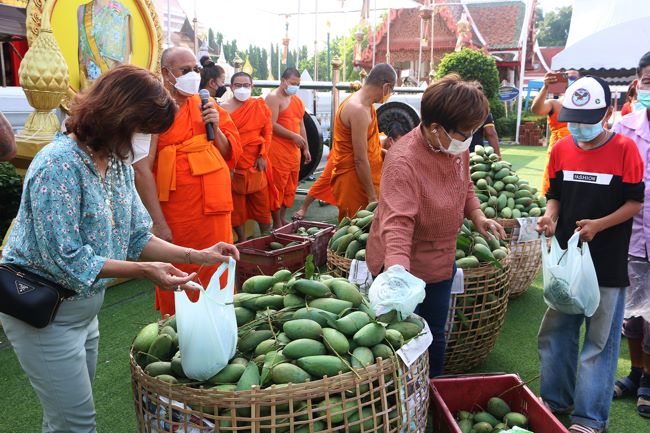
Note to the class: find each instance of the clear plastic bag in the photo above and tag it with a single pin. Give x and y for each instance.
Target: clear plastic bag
(570, 281)
(207, 328)
(637, 296)
(396, 289)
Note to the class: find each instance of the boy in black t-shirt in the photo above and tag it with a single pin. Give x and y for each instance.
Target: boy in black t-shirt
(596, 187)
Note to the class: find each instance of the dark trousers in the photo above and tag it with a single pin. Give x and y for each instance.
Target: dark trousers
(434, 309)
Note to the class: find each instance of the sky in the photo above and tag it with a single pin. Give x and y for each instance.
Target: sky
(260, 22)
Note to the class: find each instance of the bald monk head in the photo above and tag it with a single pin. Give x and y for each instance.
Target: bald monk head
(380, 82)
(290, 81)
(181, 74)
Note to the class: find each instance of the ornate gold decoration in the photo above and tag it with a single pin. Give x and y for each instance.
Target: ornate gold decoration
(36, 9)
(238, 62)
(355, 86)
(363, 74)
(336, 62)
(44, 77)
(44, 73)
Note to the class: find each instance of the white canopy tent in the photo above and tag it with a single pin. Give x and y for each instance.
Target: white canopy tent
(606, 38)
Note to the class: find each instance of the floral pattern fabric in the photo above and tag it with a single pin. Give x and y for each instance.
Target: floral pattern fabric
(67, 227)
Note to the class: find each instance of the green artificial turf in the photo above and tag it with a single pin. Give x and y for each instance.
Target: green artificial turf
(131, 305)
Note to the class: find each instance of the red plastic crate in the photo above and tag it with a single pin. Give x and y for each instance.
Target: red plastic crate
(318, 241)
(452, 394)
(255, 260)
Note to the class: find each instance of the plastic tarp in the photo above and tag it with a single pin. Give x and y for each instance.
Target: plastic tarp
(605, 35)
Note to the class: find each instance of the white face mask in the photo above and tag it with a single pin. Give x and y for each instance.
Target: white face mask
(140, 144)
(456, 147)
(189, 83)
(242, 94)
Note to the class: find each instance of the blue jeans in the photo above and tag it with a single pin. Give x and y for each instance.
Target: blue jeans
(582, 380)
(434, 309)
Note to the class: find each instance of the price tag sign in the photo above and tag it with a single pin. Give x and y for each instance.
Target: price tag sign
(360, 275)
(527, 229)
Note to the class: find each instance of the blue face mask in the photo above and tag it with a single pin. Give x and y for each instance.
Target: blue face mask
(585, 132)
(292, 90)
(643, 98)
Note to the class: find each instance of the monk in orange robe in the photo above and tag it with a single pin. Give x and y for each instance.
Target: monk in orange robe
(322, 190)
(289, 140)
(185, 181)
(251, 180)
(357, 151)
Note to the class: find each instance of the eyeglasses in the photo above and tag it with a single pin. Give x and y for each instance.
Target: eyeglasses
(240, 85)
(466, 137)
(186, 69)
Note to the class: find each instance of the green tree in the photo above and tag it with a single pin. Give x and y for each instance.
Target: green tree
(554, 28)
(472, 65)
(212, 43)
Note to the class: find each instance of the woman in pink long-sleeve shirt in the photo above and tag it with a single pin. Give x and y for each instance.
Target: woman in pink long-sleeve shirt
(426, 191)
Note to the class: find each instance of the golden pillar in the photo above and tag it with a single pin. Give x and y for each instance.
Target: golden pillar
(44, 78)
(336, 72)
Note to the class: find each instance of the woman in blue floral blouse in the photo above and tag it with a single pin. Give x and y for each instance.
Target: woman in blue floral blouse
(81, 223)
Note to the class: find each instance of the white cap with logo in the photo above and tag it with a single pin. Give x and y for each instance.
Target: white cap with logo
(586, 101)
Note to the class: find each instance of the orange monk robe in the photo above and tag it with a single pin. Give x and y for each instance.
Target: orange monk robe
(285, 155)
(253, 190)
(321, 189)
(558, 130)
(347, 188)
(193, 182)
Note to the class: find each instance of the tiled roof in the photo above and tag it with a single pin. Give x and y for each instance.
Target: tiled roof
(499, 22)
(549, 52)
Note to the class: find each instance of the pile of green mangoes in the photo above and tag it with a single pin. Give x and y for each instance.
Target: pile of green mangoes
(472, 249)
(306, 232)
(291, 330)
(496, 418)
(276, 245)
(501, 192)
(351, 235)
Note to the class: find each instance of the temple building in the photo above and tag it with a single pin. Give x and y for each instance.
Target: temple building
(499, 28)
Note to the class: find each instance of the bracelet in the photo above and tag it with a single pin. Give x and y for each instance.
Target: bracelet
(188, 259)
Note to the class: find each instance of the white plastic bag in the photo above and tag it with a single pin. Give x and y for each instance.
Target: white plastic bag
(570, 281)
(637, 296)
(396, 289)
(207, 328)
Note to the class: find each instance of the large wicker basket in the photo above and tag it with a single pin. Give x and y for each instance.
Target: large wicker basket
(385, 397)
(476, 316)
(338, 265)
(526, 258)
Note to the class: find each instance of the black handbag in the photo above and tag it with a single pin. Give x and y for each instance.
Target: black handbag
(30, 297)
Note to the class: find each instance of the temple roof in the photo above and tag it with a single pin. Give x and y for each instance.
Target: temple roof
(499, 22)
(496, 26)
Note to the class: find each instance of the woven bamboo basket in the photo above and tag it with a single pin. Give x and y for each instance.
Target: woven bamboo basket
(526, 258)
(476, 316)
(338, 266)
(385, 397)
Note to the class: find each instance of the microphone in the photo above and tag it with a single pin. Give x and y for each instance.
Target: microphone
(209, 127)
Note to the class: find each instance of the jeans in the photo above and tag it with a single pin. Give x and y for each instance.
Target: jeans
(434, 309)
(60, 361)
(582, 380)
